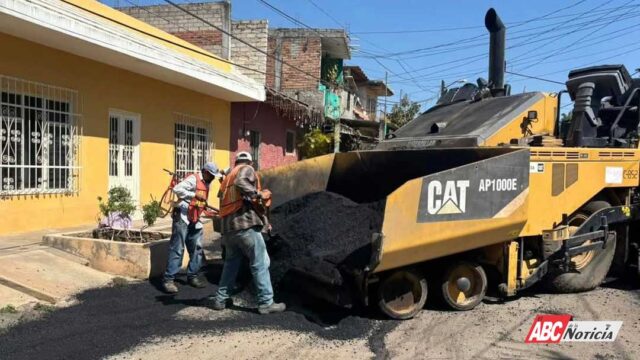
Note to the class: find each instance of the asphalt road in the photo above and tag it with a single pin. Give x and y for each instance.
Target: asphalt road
(137, 321)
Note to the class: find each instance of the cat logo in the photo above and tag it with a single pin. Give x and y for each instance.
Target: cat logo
(448, 199)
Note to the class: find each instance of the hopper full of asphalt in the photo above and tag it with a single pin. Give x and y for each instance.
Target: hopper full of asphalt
(322, 233)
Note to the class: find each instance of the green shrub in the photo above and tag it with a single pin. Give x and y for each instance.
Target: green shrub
(316, 143)
(119, 201)
(151, 212)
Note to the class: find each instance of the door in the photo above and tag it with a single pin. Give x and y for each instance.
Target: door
(124, 152)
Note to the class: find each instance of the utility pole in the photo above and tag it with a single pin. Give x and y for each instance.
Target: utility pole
(383, 122)
(336, 136)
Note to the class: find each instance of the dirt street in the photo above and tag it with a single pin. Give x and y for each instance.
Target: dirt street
(137, 321)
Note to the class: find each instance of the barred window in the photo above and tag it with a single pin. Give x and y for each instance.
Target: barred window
(192, 143)
(290, 145)
(39, 138)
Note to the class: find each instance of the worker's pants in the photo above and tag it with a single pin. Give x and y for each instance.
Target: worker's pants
(248, 243)
(184, 234)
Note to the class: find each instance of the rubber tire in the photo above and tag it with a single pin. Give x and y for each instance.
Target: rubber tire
(445, 285)
(416, 277)
(594, 273)
(165, 203)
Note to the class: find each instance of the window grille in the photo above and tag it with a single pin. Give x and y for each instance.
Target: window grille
(193, 143)
(40, 129)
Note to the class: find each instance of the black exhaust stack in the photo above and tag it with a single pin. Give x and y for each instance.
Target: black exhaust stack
(496, 52)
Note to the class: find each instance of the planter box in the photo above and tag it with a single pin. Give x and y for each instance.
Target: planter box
(141, 261)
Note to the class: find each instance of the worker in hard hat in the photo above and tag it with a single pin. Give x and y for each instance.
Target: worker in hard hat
(242, 199)
(192, 193)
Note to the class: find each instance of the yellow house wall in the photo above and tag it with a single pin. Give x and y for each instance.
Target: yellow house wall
(102, 87)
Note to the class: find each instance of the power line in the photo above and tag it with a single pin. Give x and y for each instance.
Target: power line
(539, 77)
(284, 14)
(534, 77)
(592, 62)
(509, 24)
(484, 34)
(468, 43)
(479, 71)
(564, 50)
(606, 38)
(514, 24)
(326, 13)
(580, 39)
(565, 22)
(408, 31)
(480, 56)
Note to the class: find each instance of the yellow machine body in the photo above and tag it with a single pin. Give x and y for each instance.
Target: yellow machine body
(559, 180)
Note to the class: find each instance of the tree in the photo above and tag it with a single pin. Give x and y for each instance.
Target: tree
(403, 112)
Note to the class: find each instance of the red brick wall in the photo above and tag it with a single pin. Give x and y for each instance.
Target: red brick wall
(273, 130)
(201, 37)
(301, 52)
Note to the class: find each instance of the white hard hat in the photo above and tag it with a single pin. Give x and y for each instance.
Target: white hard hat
(243, 156)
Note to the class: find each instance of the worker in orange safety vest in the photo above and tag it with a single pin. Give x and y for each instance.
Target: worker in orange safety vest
(192, 193)
(241, 201)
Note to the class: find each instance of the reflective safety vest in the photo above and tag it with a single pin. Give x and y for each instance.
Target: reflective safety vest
(197, 207)
(231, 199)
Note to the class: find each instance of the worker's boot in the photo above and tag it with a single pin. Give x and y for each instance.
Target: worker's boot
(170, 287)
(213, 303)
(273, 308)
(196, 282)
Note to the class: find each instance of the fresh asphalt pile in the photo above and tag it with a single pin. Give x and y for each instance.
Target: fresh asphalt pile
(321, 233)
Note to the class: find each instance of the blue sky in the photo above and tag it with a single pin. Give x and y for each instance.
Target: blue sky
(424, 42)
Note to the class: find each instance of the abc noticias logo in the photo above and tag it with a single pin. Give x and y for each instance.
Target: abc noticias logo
(550, 329)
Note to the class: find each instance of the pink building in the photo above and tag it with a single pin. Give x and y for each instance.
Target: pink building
(270, 131)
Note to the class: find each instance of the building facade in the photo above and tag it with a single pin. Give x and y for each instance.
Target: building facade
(364, 94)
(202, 34)
(297, 59)
(92, 98)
